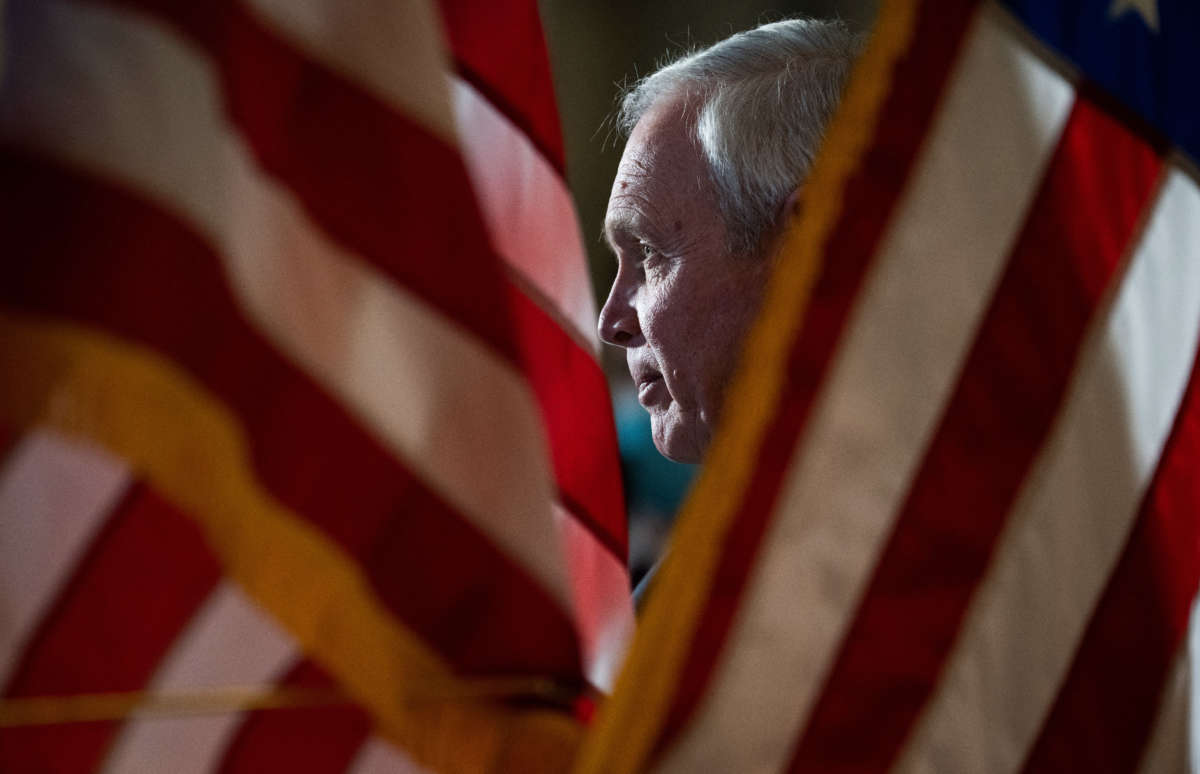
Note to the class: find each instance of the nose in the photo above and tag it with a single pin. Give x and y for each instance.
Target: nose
(618, 318)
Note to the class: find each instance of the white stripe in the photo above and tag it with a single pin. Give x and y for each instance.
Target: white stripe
(603, 602)
(229, 643)
(528, 209)
(911, 330)
(379, 757)
(1072, 518)
(122, 95)
(55, 493)
(390, 49)
(1167, 748)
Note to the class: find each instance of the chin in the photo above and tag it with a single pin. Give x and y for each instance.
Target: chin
(674, 442)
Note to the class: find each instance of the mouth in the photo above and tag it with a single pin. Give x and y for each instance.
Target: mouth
(651, 389)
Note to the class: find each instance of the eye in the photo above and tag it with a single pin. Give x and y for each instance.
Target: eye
(648, 251)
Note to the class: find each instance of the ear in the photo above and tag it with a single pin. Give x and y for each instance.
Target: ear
(784, 217)
(789, 209)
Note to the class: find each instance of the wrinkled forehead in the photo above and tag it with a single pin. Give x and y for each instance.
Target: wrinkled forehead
(661, 164)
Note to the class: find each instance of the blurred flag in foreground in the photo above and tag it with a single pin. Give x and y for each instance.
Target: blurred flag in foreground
(508, 128)
(951, 523)
(270, 441)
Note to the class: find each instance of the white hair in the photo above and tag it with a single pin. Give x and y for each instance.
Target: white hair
(759, 102)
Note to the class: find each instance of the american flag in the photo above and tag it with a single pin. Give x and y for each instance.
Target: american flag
(951, 523)
(299, 395)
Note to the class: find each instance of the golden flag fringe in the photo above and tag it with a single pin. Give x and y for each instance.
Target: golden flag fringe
(225, 700)
(145, 408)
(129, 705)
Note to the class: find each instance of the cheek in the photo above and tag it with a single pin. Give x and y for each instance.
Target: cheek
(707, 339)
(678, 333)
(670, 326)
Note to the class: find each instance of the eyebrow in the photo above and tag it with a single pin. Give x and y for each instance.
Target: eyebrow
(606, 240)
(622, 231)
(633, 228)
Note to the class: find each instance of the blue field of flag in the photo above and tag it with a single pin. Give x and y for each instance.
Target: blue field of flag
(1145, 53)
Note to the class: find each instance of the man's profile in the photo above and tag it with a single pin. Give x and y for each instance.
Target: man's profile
(718, 143)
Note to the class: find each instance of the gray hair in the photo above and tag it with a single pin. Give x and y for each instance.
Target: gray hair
(761, 101)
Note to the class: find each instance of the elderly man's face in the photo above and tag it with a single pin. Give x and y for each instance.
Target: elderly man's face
(680, 304)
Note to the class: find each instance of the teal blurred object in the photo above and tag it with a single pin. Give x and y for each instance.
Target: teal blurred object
(653, 483)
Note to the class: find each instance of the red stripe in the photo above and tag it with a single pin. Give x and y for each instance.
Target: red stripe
(140, 582)
(500, 50)
(573, 395)
(107, 258)
(1097, 185)
(1105, 710)
(917, 83)
(377, 182)
(312, 740)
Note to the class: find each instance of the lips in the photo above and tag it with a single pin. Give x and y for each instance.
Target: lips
(648, 379)
(650, 388)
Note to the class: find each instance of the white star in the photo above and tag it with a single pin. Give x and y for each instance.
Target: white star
(1147, 9)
